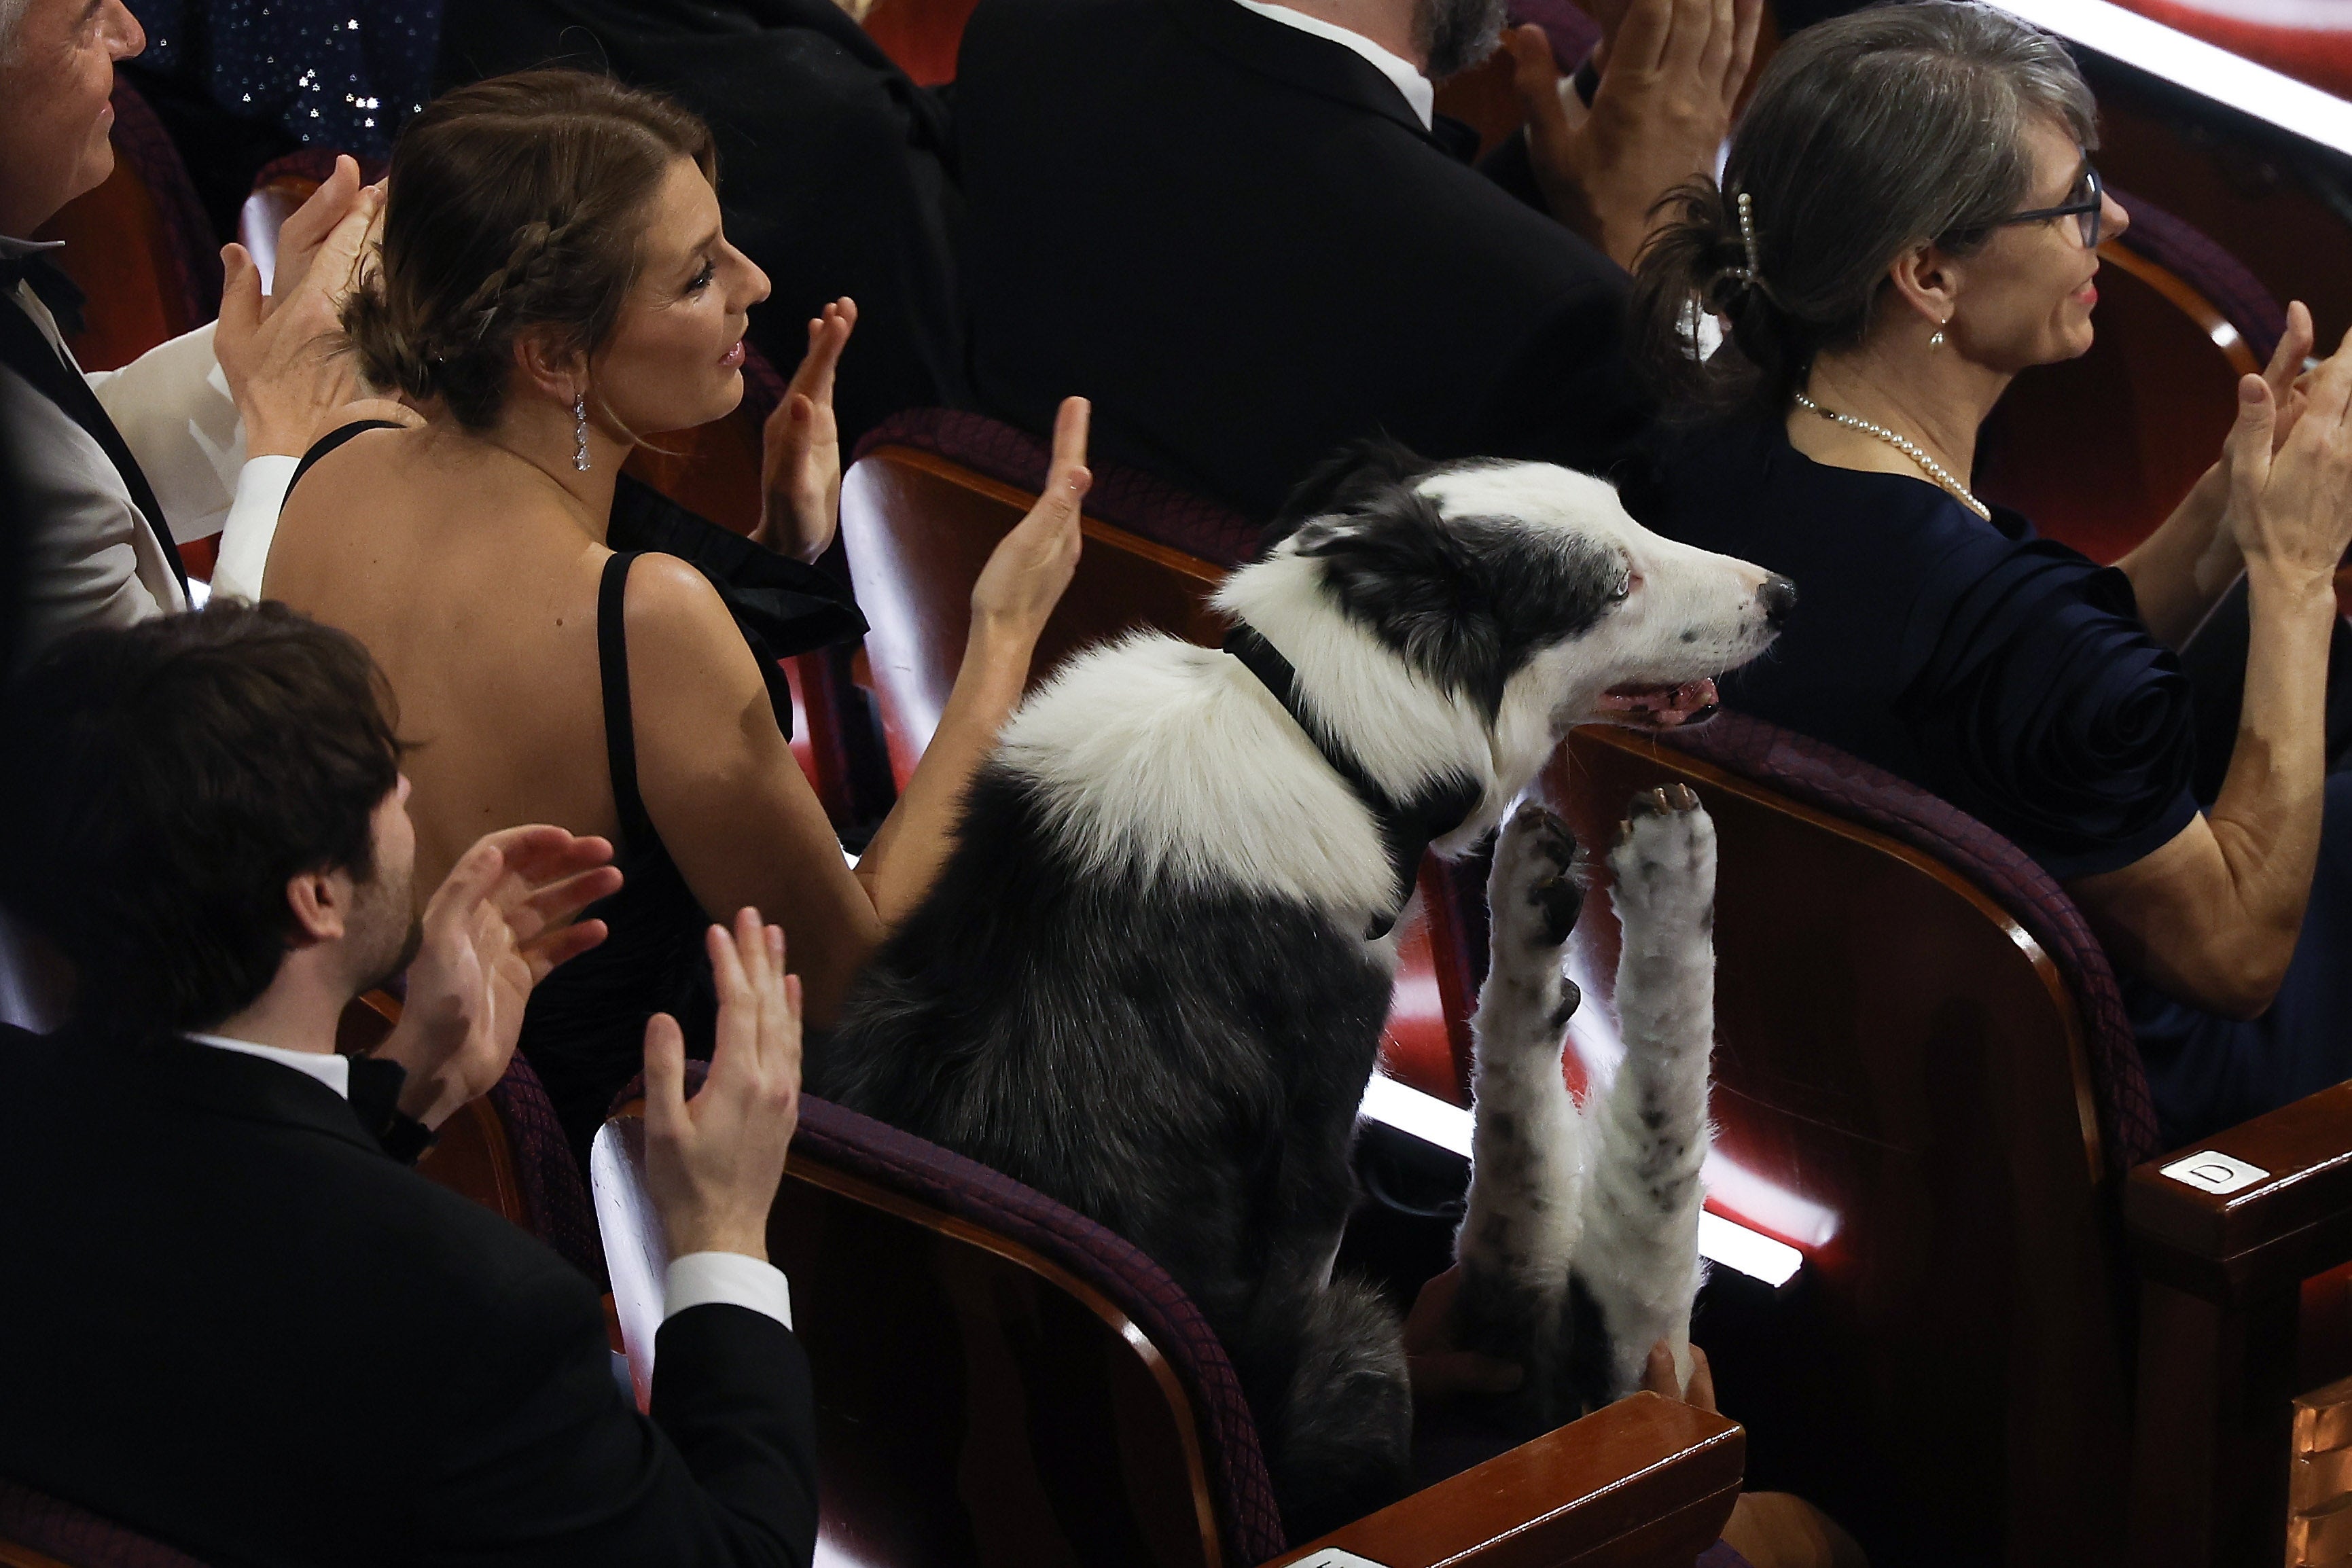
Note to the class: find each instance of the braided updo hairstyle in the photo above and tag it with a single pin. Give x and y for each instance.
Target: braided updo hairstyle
(1869, 134)
(519, 202)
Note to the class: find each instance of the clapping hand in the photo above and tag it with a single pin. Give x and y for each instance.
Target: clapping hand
(712, 1162)
(1670, 77)
(800, 469)
(1031, 566)
(2290, 505)
(503, 919)
(283, 355)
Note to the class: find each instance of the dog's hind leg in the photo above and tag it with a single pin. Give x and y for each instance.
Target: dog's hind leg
(1527, 1176)
(1325, 1370)
(1639, 1258)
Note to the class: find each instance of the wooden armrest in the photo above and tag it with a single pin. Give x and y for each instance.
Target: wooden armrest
(1647, 1480)
(2263, 1238)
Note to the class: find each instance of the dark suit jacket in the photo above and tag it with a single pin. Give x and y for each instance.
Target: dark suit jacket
(832, 164)
(1238, 240)
(238, 1326)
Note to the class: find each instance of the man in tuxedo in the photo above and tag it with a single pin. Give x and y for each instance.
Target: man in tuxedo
(1239, 227)
(195, 438)
(243, 1326)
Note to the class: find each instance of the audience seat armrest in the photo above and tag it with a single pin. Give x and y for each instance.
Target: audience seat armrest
(2264, 1238)
(1647, 1480)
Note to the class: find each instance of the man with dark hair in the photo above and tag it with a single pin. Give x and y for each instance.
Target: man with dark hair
(1242, 229)
(256, 1336)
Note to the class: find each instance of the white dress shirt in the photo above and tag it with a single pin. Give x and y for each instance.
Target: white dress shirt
(95, 560)
(699, 1278)
(1419, 95)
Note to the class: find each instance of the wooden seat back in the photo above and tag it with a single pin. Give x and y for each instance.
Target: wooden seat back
(1901, 1092)
(920, 527)
(978, 1402)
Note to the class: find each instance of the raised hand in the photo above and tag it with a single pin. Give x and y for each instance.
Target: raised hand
(800, 469)
(501, 918)
(306, 230)
(2291, 501)
(1031, 565)
(712, 1162)
(1670, 77)
(283, 357)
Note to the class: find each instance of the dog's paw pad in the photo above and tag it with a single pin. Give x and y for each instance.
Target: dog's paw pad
(1536, 891)
(1664, 862)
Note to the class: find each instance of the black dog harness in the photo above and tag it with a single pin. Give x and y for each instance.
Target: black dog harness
(1407, 828)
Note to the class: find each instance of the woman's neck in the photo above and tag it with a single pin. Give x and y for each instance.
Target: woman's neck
(545, 438)
(1937, 406)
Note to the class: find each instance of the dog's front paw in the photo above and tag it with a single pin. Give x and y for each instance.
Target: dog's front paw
(1534, 892)
(1663, 865)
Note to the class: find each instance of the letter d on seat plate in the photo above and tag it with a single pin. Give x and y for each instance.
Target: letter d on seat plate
(2214, 1172)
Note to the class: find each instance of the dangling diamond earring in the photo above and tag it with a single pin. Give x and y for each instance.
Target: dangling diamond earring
(580, 431)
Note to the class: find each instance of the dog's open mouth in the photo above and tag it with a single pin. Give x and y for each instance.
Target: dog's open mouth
(1660, 706)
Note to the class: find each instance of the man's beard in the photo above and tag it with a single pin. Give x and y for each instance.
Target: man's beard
(385, 906)
(1455, 34)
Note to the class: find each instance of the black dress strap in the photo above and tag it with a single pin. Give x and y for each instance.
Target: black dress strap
(620, 733)
(329, 442)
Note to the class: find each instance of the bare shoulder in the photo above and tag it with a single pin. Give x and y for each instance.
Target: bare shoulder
(680, 633)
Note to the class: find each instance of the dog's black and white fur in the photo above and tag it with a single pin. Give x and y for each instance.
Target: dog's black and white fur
(1143, 982)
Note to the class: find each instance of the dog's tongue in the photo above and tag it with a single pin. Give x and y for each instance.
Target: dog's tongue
(1661, 707)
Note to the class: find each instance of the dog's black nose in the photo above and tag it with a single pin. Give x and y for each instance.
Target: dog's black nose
(1779, 597)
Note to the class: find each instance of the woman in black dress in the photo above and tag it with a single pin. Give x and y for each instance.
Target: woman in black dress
(1907, 219)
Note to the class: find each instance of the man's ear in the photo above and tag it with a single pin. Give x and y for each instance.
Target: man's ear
(1927, 281)
(549, 366)
(321, 903)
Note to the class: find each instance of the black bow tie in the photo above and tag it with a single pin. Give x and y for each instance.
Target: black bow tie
(50, 286)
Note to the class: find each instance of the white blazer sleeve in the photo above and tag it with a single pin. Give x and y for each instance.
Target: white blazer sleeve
(173, 406)
(252, 523)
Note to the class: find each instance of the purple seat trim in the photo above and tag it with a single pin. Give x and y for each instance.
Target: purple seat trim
(196, 268)
(1142, 503)
(1820, 776)
(77, 1537)
(915, 1168)
(1572, 32)
(552, 1192)
(2180, 247)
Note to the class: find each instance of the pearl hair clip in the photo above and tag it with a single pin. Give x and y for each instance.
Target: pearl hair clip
(1754, 270)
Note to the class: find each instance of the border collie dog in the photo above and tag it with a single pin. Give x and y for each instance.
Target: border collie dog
(1151, 979)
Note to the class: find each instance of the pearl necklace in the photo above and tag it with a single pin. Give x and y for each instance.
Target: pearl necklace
(1935, 470)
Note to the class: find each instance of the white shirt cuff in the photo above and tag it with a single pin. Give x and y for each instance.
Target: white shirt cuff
(252, 524)
(728, 1278)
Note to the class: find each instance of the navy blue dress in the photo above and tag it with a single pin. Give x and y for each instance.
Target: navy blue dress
(2012, 677)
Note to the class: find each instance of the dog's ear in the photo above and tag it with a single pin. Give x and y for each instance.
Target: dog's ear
(1342, 482)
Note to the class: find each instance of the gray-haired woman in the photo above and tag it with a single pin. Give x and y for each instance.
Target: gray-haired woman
(1909, 219)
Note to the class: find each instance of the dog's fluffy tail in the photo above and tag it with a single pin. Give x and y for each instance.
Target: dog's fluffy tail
(1340, 1442)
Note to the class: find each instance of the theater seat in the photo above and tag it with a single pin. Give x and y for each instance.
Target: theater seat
(929, 497)
(505, 1151)
(41, 1532)
(1000, 1380)
(1924, 1082)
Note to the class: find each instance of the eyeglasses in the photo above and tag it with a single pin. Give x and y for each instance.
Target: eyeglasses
(2086, 205)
